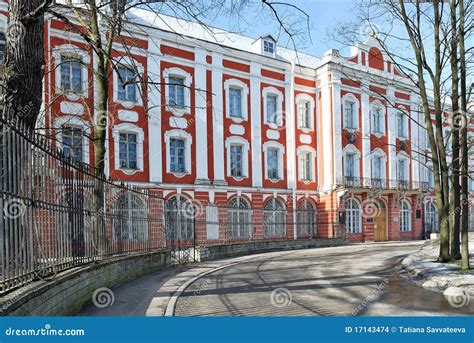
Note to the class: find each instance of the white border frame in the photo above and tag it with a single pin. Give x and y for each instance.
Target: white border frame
(128, 128)
(351, 98)
(281, 152)
(188, 80)
(188, 141)
(275, 92)
(133, 64)
(73, 121)
(306, 98)
(234, 140)
(235, 83)
(306, 149)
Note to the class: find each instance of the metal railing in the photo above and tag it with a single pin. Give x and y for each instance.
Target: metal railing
(51, 219)
(382, 184)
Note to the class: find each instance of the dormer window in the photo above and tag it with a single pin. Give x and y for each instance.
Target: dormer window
(268, 47)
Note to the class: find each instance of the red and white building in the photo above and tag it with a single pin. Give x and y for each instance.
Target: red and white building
(227, 120)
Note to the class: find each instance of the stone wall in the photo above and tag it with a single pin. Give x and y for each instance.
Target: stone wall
(67, 292)
(215, 252)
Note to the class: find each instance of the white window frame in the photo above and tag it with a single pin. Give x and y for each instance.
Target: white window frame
(405, 123)
(351, 149)
(279, 95)
(349, 97)
(401, 216)
(187, 83)
(267, 53)
(358, 222)
(234, 83)
(377, 105)
(128, 128)
(312, 152)
(281, 152)
(188, 140)
(83, 56)
(307, 99)
(127, 62)
(73, 121)
(234, 140)
(406, 158)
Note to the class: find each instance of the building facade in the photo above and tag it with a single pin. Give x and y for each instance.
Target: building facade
(303, 146)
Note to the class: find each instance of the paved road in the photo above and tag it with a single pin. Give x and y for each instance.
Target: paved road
(349, 280)
(339, 281)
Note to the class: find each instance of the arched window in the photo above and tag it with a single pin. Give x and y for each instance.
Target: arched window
(74, 225)
(431, 218)
(306, 219)
(130, 219)
(274, 218)
(179, 218)
(240, 219)
(405, 216)
(353, 217)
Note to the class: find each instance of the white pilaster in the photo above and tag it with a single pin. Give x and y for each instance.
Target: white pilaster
(290, 129)
(256, 128)
(218, 118)
(336, 155)
(392, 134)
(415, 141)
(201, 116)
(365, 127)
(155, 146)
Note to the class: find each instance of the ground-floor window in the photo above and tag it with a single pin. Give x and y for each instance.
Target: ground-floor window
(274, 218)
(405, 216)
(431, 218)
(240, 219)
(130, 220)
(179, 218)
(306, 219)
(353, 217)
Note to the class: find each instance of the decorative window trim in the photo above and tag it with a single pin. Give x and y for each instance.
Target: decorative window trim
(359, 217)
(73, 122)
(234, 83)
(128, 128)
(234, 140)
(376, 153)
(307, 149)
(402, 110)
(188, 79)
(377, 104)
(281, 152)
(351, 98)
(307, 98)
(275, 92)
(188, 141)
(351, 149)
(404, 156)
(132, 64)
(81, 54)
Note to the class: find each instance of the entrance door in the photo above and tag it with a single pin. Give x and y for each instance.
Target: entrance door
(381, 226)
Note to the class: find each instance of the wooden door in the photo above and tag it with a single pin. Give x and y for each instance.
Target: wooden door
(381, 226)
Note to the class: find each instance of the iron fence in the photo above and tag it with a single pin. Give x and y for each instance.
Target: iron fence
(59, 213)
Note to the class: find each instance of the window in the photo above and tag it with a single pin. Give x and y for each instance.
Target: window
(72, 142)
(130, 219)
(274, 219)
(349, 120)
(306, 166)
(176, 91)
(272, 117)
(127, 88)
(71, 74)
(235, 103)
(401, 125)
(240, 219)
(179, 218)
(177, 156)
(268, 47)
(402, 173)
(236, 161)
(353, 217)
(405, 216)
(128, 151)
(430, 178)
(471, 218)
(272, 164)
(431, 218)
(377, 167)
(306, 219)
(2, 46)
(378, 121)
(349, 165)
(305, 115)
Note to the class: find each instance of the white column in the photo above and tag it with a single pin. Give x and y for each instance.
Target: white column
(256, 127)
(365, 126)
(335, 156)
(326, 142)
(392, 135)
(218, 118)
(415, 141)
(201, 117)
(155, 152)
